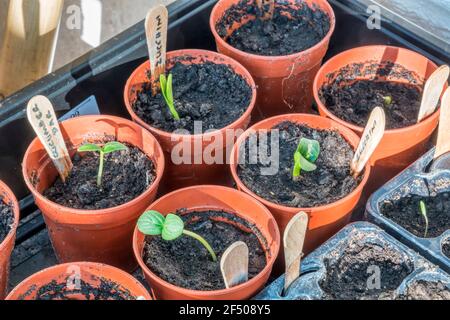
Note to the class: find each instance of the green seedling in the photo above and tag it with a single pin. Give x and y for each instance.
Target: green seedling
(423, 212)
(110, 147)
(387, 101)
(167, 92)
(305, 157)
(171, 227)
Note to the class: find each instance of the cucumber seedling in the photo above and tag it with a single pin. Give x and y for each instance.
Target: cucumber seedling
(167, 93)
(387, 100)
(171, 227)
(423, 212)
(305, 157)
(110, 147)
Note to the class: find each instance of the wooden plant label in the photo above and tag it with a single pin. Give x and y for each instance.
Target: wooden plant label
(432, 92)
(267, 7)
(156, 24)
(370, 140)
(42, 118)
(443, 141)
(234, 264)
(294, 238)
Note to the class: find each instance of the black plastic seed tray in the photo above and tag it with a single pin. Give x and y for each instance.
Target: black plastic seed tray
(307, 287)
(103, 73)
(418, 181)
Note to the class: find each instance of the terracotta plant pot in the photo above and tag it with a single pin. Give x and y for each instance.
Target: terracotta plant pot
(73, 280)
(202, 198)
(284, 82)
(400, 147)
(92, 235)
(7, 245)
(184, 175)
(324, 221)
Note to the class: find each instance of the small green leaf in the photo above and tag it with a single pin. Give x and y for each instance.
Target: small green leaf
(151, 223)
(169, 89)
(163, 84)
(113, 147)
(173, 227)
(89, 147)
(310, 149)
(306, 165)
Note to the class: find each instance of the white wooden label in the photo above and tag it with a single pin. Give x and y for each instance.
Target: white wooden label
(234, 264)
(432, 92)
(443, 142)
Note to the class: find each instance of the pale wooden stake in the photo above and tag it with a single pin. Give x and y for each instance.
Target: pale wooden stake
(293, 240)
(443, 142)
(234, 264)
(42, 118)
(369, 141)
(26, 53)
(156, 25)
(432, 92)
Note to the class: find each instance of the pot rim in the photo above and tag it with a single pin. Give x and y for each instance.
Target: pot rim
(193, 52)
(346, 133)
(329, 11)
(6, 191)
(269, 264)
(82, 265)
(160, 165)
(431, 118)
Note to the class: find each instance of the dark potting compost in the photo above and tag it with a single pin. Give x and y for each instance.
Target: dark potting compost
(424, 290)
(187, 264)
(446, 248)
(406, 212)
(127, 174)
(58, 290)
(6, 219)
(293, 28)
(352, 99)
(347, 271)
(331, 181)
(211, 93)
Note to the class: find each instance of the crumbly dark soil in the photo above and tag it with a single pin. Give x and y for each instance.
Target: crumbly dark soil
(354, 103)
(127, 174)
(6, 219)
(208, 92)
(446, 248)
(187, 264)
(330, 182)
(106, 290)
(292, 29)
(406, 213)
(347, 271)
(423, 290)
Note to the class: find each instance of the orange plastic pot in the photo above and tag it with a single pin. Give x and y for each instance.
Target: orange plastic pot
(197, 171)
(69, 278)
(92, 235)
(324, 221)
(284, 82)
(400, 147)
(7, 245)
(203, 198)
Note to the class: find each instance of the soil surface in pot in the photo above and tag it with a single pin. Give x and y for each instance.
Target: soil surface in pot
(6, 219)
(291, 30)
(354, 102)
(106, 290)
(127, 174)
(446, 248)
(330, 182)
(406, 212)
(348, 270)
(211, 93)
(187, 264)
(424, 290)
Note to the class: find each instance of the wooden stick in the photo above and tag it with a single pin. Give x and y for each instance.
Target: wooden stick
(432, 92)
(443, 142)
(234, 265)
(156, 25)
(294, 238)
(370, 140)
(27, 50)
(42, 118)
(267, 7)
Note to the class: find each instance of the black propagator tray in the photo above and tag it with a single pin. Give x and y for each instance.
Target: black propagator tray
(103, 72)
